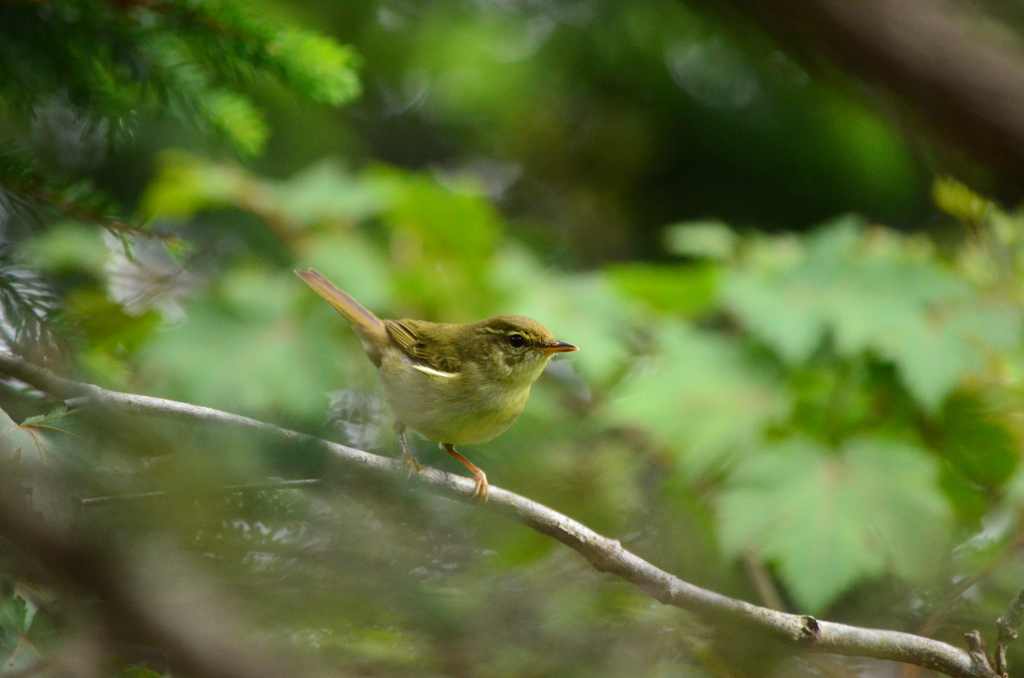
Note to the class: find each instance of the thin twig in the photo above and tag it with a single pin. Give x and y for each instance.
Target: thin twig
(248, 487)
(761, 578)
(1008, 623)
(606, 555)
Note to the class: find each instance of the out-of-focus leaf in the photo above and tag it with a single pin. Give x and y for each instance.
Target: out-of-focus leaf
(69, 246)
(974, 442)
(185, 184)
(701, 395)
(255, 354)
(111, 335)
(31, 446)
(957, 200)
(828, 520)
(682, 290)
(702, 239)
(140, 672)
(969, 500)
(18, 651)
(180, 250)
(442, 245)
(582, 310)
(835, 399)
(326, 191)
(28, 611)
(149, 279)
(353, 263)
(872, 292)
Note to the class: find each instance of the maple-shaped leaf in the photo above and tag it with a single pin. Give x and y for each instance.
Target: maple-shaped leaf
(874, 291)
(701, 395)
(29, 449)
(830, 518)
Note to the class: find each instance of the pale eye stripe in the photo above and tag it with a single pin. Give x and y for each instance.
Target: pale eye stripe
(437, 373)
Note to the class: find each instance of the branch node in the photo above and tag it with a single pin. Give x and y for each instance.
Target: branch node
(809, 628)
(979, 653)
(664, 594)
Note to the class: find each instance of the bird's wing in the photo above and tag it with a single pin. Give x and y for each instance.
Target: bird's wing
(416, 340)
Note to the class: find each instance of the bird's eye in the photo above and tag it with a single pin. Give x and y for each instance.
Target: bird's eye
(516, 340)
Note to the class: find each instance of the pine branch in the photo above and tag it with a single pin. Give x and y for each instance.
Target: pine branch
(606, 555)
(33, 188)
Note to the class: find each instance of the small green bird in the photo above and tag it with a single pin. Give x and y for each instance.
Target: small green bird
(453, 384)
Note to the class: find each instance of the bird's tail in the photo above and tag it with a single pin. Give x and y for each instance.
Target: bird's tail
(369, 327)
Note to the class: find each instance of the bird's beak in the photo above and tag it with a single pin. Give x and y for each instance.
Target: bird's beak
(558, 347)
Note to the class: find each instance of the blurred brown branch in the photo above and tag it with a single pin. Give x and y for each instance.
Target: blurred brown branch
(94, 566)
(933, 53)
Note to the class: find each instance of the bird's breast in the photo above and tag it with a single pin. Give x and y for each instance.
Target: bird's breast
(458, 408)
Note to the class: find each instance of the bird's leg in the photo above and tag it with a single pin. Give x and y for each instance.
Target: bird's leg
(410, 461)
(479, 477)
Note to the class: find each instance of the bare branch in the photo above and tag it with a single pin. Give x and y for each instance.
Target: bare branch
(606, 555)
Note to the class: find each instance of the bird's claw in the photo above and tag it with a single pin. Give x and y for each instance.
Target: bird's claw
(480, 485)
(411, 465)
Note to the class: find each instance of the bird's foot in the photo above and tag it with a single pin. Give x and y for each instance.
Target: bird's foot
(481, 486)
(411, 465)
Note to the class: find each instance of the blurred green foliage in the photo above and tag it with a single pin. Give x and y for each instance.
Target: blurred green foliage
(831, 414)
(841, 405)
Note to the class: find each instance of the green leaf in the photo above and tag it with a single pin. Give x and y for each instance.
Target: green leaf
(55, 418)
(829, 520)
(185, 184)
(942, 342)
(352, 263)
(957, 200)
(682, 290)
(31, 446)
(68, 246)
(27, 611)
(112, 335)
(140, 672)
(18, 649)
(975, 441)
(701, 395)
(877, 292)
(442, 245)
(326, 191)
(257, 355)
(701, 239)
